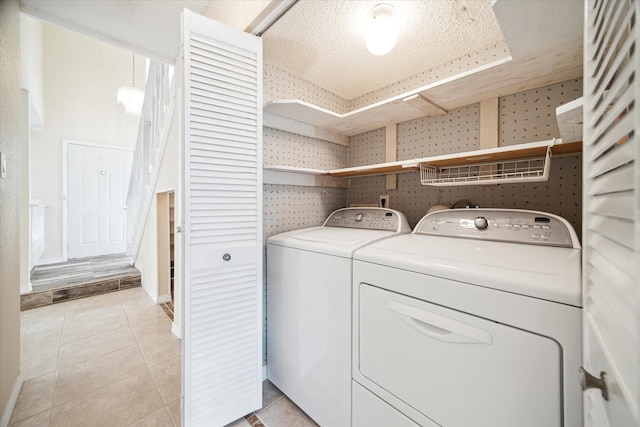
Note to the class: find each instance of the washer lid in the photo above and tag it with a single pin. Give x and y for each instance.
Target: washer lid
(345, 230)
(544, 272)
(341, 242)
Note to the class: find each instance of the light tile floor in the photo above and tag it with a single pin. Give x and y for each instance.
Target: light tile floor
(111, 360)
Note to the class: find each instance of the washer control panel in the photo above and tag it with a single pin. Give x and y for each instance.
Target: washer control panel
(504, 225)
(368, 218)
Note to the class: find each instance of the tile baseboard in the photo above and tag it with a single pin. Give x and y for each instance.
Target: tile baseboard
(11, 404)
(77, 291)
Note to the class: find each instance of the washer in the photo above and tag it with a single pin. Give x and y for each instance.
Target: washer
(309, 274)
(474, 319)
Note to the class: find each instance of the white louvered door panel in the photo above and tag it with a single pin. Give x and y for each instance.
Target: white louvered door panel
(222, 341)
(611, 234)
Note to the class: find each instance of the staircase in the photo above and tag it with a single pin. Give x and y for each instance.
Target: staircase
(157, 111)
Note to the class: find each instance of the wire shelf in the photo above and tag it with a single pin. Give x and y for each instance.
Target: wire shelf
(533, 169)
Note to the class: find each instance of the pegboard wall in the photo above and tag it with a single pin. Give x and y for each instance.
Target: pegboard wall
(281, 84)
(468, 62)
(289, 149)
(288, 207)
(531, 116)
(524, 117)
(455, 132)
(366, 148)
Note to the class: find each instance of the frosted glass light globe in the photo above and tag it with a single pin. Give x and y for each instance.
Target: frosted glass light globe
(382, 34)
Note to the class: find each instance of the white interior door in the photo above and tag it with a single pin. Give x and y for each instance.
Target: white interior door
(97, 182)
(223, 251)
(611, 235)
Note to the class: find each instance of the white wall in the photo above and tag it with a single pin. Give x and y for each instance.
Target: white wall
(80, 84)
(9, 208)
(31, 67)
(237, 13)
(168, 180)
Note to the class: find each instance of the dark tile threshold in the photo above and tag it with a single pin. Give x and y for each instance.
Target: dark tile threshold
(77, 291)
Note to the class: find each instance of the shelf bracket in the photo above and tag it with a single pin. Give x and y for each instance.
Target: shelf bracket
(391, 150)
(489, 128)
(489, 123)
(421, 103)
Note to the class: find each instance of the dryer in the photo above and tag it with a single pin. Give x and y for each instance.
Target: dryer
(474, 319)
(309, 274)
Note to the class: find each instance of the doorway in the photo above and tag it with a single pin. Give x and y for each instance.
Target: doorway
(166, 250)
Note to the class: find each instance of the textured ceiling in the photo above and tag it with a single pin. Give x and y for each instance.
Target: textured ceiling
(322, 41)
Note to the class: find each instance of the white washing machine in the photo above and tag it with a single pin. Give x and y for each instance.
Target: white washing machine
(473, 320)
(309, 274)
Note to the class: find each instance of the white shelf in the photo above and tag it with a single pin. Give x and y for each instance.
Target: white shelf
(301, 128)
(487, 162)
(292, 175)
(295, 169)
(490, 155)
(375, 116)
(376, 169)
(569, 117)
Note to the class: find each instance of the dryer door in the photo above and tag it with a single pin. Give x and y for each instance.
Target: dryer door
(458, 369)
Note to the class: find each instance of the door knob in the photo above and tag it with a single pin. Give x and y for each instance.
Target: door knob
(588, 381)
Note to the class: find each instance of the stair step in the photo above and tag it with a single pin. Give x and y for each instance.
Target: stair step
(79, 290)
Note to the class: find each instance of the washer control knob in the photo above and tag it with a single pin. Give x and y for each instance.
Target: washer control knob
(481, 223)
(359, 217)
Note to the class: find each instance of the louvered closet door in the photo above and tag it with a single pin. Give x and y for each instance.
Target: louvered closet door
(222, 342)
(611, 235)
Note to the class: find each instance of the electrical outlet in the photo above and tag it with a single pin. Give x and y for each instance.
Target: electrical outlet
(384, 201)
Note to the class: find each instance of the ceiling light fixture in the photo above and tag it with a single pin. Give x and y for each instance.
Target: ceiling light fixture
(130, 96)
(382, 33)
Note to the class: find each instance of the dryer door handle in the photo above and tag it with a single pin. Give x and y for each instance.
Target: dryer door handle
(439, 327)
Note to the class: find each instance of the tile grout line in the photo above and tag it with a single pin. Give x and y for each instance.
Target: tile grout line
(55, 381)
(56, 371)
(58, 361)
(146, 362)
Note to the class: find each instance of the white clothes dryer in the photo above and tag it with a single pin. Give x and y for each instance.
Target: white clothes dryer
(309, 274)
(473, 320)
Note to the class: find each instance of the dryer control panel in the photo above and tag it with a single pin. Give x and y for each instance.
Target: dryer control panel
(502, 225)
(369, 219)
